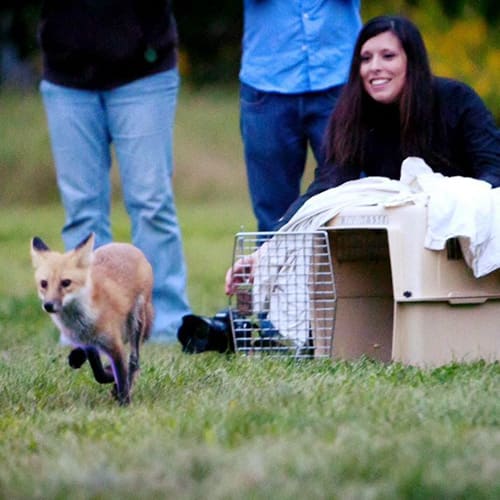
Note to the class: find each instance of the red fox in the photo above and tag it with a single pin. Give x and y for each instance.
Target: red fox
(100, 300)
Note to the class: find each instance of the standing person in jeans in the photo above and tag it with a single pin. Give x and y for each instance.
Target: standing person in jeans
(296, 57)
(110, 78)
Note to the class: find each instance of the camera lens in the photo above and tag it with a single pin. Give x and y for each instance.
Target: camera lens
(199, 334)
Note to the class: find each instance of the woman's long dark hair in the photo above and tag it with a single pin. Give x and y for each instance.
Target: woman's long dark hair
(349, 125)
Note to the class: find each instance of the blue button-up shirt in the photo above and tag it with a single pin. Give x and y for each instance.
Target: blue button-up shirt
(293, 46)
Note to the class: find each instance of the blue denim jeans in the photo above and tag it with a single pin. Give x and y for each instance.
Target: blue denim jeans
(277, 130)
(137, 119)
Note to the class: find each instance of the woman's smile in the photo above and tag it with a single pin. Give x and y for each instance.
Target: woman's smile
(383, 67)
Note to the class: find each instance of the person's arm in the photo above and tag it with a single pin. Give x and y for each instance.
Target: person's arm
(325, 177)
(481, 138)
(240, 272)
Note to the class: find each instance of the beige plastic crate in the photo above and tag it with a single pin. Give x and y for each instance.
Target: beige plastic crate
(398, 301)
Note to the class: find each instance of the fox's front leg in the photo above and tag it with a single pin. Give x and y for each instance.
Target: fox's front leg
(102, 374)
(122, 387)
(78, 356)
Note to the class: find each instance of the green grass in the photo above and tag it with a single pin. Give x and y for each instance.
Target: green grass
(212, 426)
(215, 426)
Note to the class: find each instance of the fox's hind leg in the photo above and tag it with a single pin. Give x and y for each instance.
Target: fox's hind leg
(140, 325)
(133, 362)
(136, 327)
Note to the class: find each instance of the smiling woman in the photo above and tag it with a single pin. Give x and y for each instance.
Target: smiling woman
(393, 107)
(383, 67)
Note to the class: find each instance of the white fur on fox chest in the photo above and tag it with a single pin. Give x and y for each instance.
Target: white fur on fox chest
(76, 320)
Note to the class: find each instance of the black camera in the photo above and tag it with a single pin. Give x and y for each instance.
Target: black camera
(199, 333)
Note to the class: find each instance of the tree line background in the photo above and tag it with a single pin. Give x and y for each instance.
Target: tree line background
(463, 38)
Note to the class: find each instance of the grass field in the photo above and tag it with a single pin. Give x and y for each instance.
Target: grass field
(214, 426)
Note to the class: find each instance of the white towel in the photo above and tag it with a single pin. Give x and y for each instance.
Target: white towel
(459, 207)
(368, 191)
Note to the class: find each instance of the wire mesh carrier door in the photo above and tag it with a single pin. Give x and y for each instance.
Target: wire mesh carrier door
(285, 300)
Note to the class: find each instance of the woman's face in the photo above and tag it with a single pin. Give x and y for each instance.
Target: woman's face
(383, 67)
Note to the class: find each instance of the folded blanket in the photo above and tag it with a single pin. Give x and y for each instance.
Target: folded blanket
(457, 207)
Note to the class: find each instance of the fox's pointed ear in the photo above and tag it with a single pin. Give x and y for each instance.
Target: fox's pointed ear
(38, 248)
(88, 241)
(39, 245)
(84, 249)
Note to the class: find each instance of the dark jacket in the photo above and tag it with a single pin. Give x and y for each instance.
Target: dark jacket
(466, 142)
(101, 44)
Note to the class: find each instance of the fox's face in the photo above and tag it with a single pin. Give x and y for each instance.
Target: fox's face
(60, 277)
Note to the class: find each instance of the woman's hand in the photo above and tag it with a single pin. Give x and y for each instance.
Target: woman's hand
(240, 273)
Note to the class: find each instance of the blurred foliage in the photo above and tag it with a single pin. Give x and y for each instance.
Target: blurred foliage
(463, 37)
(210, 35)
